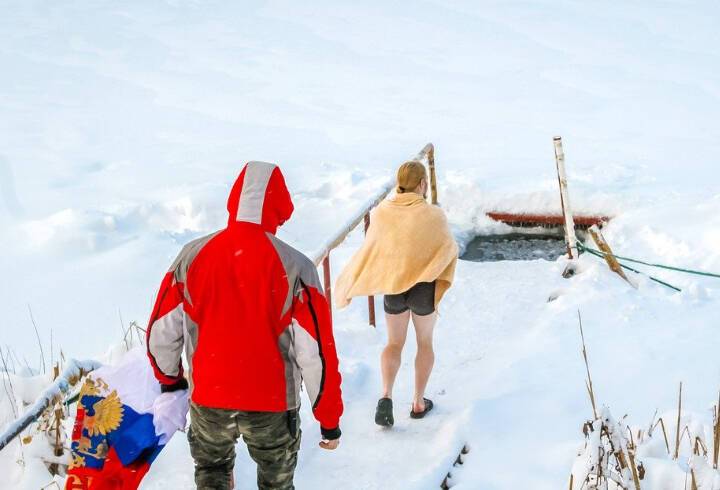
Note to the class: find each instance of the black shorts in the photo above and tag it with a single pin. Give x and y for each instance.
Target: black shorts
(420, 299)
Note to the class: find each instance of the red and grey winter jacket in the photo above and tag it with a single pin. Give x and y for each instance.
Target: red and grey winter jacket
(250, 313)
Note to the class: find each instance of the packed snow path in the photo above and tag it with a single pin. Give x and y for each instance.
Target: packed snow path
(482, 330)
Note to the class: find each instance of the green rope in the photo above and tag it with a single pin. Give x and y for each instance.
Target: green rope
(602, 255)
(659, 266)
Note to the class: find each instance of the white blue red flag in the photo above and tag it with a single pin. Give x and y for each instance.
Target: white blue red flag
(123, 422)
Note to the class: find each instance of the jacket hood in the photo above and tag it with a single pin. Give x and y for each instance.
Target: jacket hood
(260, 196)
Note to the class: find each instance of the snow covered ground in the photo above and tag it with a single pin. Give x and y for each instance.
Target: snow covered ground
(123, 125)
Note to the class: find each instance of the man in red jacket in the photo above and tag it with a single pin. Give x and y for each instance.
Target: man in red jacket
(250, 313)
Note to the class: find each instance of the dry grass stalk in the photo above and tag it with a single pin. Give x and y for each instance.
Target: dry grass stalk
(632, 440)
(27, 364)
(37, 334)
(9, 358)
(677, 431)
(661, 422)
(571, 481)
(138, 330)
(588, 382)
(615, 461)
(7, 384)
(623, 461)
(16, 359)
(685, 432)
(57, 427)
(699, 444)
(693, 482)
(637, 473)
(125, 332)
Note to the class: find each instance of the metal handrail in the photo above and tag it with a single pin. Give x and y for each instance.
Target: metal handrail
(74, 371)
(323, 256)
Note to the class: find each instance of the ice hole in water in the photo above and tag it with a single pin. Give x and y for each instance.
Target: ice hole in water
(530, 237)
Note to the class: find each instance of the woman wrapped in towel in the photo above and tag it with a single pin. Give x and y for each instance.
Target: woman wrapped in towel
(409, 255)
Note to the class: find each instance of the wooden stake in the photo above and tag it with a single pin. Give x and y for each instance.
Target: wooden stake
(371, 299)
(602, 244)
(54, 468)
(716, 434)
(570, 238)
(433, 178)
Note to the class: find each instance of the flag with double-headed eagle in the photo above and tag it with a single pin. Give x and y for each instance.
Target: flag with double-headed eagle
(123, 421)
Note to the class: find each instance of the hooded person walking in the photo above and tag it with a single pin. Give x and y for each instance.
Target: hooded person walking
(249, 311)
(409, 255)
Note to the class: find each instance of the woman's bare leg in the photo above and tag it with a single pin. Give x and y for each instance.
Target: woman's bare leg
(397, 326)
(425, 358)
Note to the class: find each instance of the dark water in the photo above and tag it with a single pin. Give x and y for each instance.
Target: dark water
(515, 246)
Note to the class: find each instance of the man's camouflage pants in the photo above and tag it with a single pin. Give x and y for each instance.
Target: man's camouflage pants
(272, 439)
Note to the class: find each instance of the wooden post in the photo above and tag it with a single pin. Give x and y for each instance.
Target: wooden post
(371, 299)
(570, 238)
(716, 434)
(54, 468)
(326, 282)
(433, 177)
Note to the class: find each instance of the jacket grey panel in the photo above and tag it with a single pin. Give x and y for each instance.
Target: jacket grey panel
(191, 338)
(297, 268)
(293, 378)
(170, 332)
(185, 258)
(299, 349)
(307, 356)
(252, 195)
(166, 341)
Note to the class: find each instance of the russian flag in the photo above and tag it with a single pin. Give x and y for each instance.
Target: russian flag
(123, 421)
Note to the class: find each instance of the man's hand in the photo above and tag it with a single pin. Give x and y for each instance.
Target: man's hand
(330, 445)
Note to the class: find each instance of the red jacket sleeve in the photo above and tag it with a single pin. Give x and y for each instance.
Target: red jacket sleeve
(316, 355)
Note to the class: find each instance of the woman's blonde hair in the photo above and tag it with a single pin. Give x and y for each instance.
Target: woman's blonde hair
(409, 176)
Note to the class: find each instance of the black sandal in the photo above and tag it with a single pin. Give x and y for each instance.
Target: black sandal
(419, 415)
(384, 413)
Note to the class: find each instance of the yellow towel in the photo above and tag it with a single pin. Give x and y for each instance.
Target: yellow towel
(408, 242)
